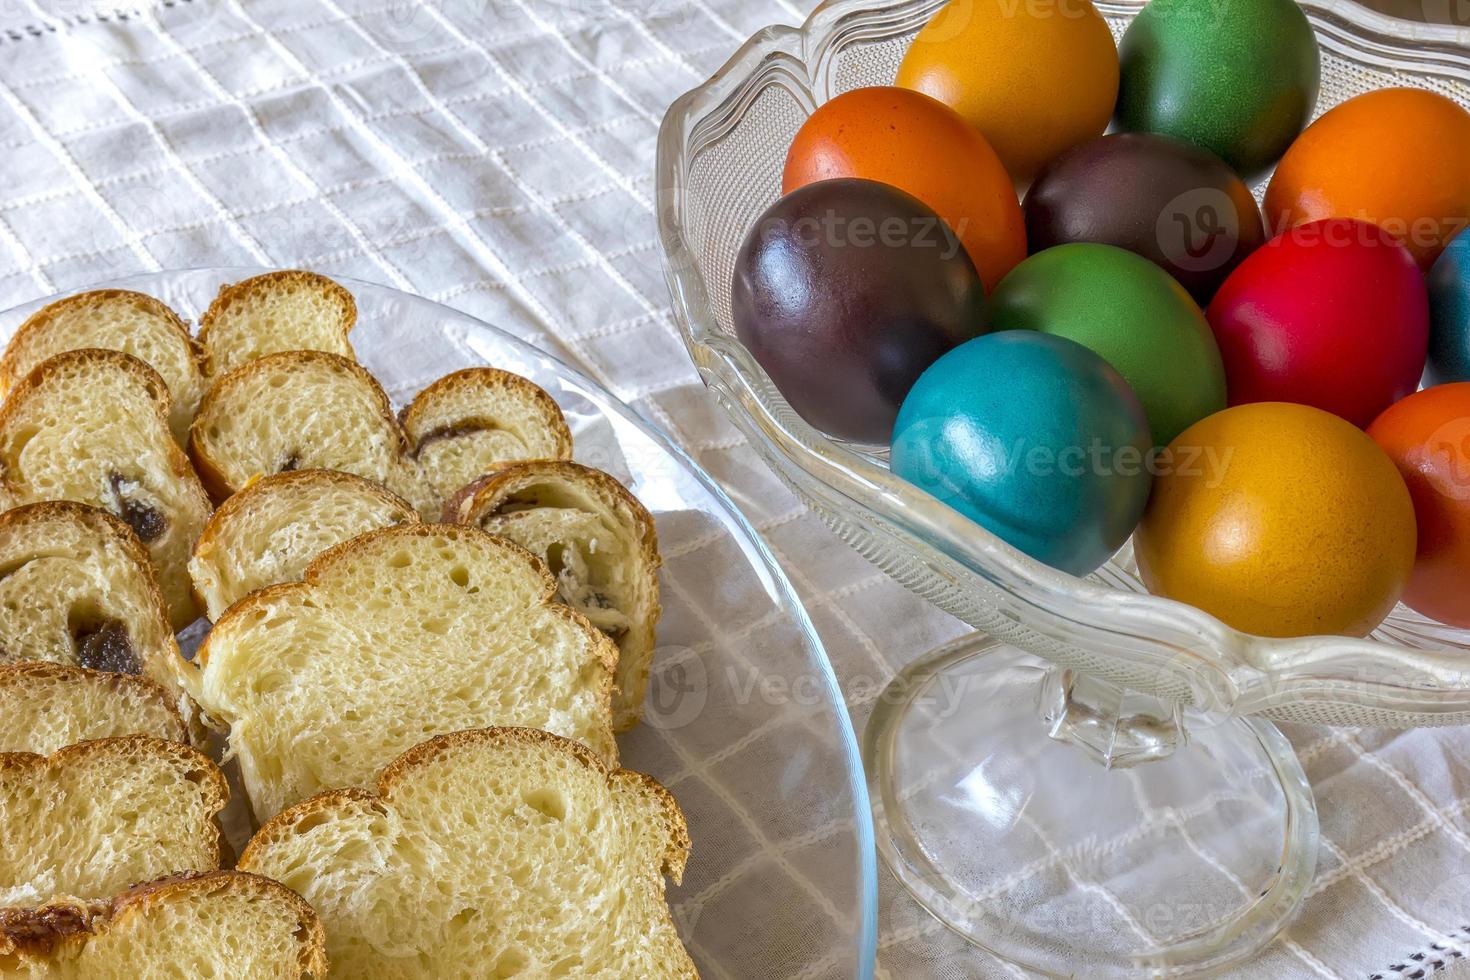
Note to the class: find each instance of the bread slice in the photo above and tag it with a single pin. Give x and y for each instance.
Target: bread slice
(267, 533)
(45, 707)
(88, 820)
(469, 422)
(393, 637)
(598, 541)
(92, 426)
(490, 853)
(313, 410)
(114, 319)
(220, 924)
(77, 588)
(287, 310)
(301, 410)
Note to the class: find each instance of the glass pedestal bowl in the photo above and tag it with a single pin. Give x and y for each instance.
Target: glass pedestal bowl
(1091, 785)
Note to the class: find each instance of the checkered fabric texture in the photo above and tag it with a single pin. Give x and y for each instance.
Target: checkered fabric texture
(497, 156)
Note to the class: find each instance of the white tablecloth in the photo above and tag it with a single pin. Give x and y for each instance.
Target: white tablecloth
(497, 155)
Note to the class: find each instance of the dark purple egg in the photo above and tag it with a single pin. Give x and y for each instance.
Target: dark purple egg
(845, 291)
(1179, 206)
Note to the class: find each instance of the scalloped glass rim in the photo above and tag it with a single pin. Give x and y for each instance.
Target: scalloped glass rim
(506, 350)
(1218, 666)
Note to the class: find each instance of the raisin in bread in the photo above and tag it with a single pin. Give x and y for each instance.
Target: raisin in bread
(314, 410)
(287, 310)
(91, 426)
(393, 637)
(267, 533)
(220, 924)
(301, 410)
(490, 853)
(469, 422)
(45, 707)
(77, 588)
(90, 819)
(114, 319)
(598, 541)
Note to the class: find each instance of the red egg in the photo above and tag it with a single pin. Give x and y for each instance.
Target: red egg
(1332, 314)
(1428, 437)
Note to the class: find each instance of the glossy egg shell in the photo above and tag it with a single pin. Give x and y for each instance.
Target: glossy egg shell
(1237, 77)
(1428, 437)
(1449, 314)
(924, 147)
(1004, 429)
(1332, 314)
(845, 316)
(1035, 79)
(1171, 202)
(1280, 520)
(1398, 157)
(1129, 311)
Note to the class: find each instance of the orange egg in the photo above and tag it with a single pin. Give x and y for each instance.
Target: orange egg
(1280, 520)
(924, 147)
(1035, 78)
(1428, 436)
(1398, 157)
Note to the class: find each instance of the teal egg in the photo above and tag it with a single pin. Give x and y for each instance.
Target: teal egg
(1237, 77)
(1449, 310)
(1036, 439)
(1132, 313)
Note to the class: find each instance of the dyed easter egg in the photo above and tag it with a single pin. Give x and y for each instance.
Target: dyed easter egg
(1398, 157)
(1036, 439)
(1428, 437)
(1169, 201)
(1280, 520)
(1237, 77)
(845, 291)
(1332, 314)
(1128, 310)
(1449, 314)
(1036, 79)
(924, 147)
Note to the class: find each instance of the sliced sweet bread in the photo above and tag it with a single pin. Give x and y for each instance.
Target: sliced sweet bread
(45, 707)
(114, 319)
(77, 588)
(393, 637)
(269, 532)
(90, 819)
(313, 410)
(598, 541)
(490, 853)
(469, 422)
(279, 311)
(219, 924)
(301, 410)
(91, 426)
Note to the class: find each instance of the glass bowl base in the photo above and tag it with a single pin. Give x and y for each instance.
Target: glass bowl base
(1077, 831)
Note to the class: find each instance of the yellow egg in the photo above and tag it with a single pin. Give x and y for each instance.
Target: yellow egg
(1036, 77)
(1280, 520)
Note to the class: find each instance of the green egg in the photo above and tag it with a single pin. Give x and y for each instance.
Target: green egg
(1130, 312)
(1237, 77)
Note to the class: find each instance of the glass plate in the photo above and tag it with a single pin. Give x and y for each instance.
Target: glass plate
(782, 879)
